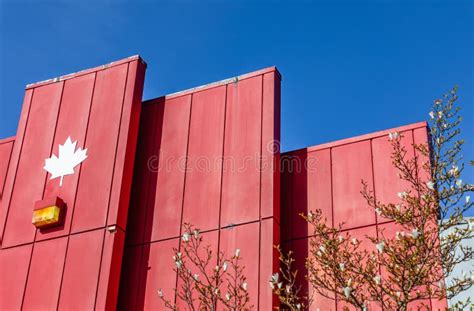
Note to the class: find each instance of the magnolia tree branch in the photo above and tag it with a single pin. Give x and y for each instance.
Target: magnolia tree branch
(412, 265)
(203, 286)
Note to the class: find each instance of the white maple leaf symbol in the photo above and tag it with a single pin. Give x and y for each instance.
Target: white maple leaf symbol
(67, 160)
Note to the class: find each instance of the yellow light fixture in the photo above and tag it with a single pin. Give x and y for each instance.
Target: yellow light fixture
(47, 212)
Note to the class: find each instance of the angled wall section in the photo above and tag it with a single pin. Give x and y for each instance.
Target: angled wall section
(207, 156)
(75, 265)
(328, 177)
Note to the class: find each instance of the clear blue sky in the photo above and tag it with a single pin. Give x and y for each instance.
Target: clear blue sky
(348, 67)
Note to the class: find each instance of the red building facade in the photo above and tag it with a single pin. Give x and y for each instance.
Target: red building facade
(207, 156)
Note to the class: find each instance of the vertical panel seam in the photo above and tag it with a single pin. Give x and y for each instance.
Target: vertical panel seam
(260, 192)
(111, 187)
(184, 184)
(44, 187)
(75, 195)
(222, 174)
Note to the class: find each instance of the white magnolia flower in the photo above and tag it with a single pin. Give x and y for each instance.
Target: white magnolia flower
(445, 125)
(298, 306)
(341, 238)
(398, 294)
(319, 253)
(280, 285)
(342, 266)
(453, 171)
(415, 233)
(244, 286)
(196, 277)
(431, 114)
(224, 266)
(380, 246)
(402, 195)
(347, 291)
(322, 248)
(227, 296)
(377, 279)
(186, 237)
(354, 241)
(160, 292)
(275, 277)
(310, 215)
(288, 288)
(196, 234)
(459, 183)
(272, 285)
(216, 291)
(179, 263)
(468, 198)
(430, 185)
(378, 211)
(392, 136)
(349, 282)
(217, 268)
(237, 252)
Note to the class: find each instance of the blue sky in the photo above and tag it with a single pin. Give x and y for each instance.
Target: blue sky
(348, 67)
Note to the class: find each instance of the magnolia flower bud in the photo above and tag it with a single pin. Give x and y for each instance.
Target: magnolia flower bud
(430, 185)
(237, 252)
(244, 286)
(415, 233)
(185, 237)
(402, 195)
(224, 266)
(377, 279)
(431, 114)
(380, 246)
(347, 291)
(160, 292)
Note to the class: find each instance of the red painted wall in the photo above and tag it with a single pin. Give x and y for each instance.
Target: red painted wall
(198, 160)
(331, 181)
(6, 146)
(74, 266)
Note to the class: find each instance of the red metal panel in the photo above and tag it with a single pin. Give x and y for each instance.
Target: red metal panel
(44, 277)
(101, 141)
(386, 181)
(269, 262)
(164, 217)
(6, 147)
(111, 265)
(129, 282)
(270, 184)
(126, 145)
(300, 248)
(350, 164)
(145, 159)
(157, 273)
(311, 186)
(72, 122)
(79, 284)
(243, 138)
(13, 271)
(13, 165)
(30, 177)
(203, 177)
(247, 239)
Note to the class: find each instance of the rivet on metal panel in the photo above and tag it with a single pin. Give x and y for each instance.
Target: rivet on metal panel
(112, 229)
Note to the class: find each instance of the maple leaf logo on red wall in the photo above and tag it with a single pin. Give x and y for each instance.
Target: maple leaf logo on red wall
(68, 158)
